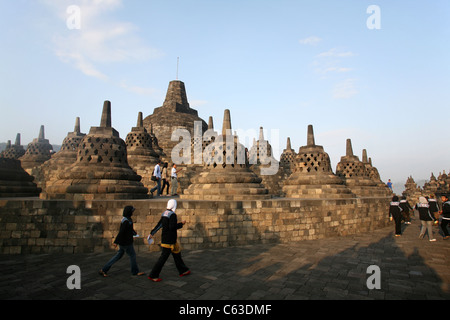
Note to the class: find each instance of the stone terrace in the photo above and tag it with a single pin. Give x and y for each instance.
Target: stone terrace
(333, 268)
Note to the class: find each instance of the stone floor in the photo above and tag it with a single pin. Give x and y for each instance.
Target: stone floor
(320, 269)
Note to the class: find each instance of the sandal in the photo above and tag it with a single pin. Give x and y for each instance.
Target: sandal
(186, 273)
(139, 274)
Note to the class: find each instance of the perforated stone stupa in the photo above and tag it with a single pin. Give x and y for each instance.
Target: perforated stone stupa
(263, 163)
(313, 177)
(355, 175)
(38, 151)
(373, 173)
(14, 151)
(140, 153)
(101, 170)
(226, 175)
(61, 160)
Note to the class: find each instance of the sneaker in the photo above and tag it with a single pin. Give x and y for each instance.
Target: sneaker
(446, 237)
(432, 240)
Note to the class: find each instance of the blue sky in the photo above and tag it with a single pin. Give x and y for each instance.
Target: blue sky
(280, 64)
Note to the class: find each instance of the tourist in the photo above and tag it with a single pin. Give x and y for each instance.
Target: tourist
(395, 213)
(169, 243)
(174, 179)
(445, 215)
(165, 178)
(157, 175)
(426, 219)
(389, 184)
(404, 204)
(124, 240)
(434, 207)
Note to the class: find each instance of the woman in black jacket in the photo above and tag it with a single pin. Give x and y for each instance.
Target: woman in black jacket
(169, 243)
(124, 240)
(395, 212)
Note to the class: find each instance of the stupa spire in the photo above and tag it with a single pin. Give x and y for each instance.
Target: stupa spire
(106, 115)
(310, 139)
(226, 122)
(140, 120)
(349, 149)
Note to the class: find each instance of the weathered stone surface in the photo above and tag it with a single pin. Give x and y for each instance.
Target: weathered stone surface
(38, 226)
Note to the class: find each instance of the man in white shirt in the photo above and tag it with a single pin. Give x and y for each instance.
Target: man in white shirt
(157, 174)
(173, 179)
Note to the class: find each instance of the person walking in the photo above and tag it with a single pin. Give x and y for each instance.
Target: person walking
(426, 219)
(445, 215)
(169, 244)
(157, 175)
(124, 240)
(395, 213)
(165, 178)
(434, 207)
(404, 204)
(174, 179)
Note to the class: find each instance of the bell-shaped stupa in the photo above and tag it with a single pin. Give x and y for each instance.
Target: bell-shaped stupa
(101, 170)
(313, 177)
(140, 153)
(226, 174)
(38, 151)
(14, 151)
(61, 160)
(263, 163)
(356, 176)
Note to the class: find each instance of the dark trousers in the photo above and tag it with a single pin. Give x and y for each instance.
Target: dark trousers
(398, 223)
(165, 183)
(129, 250)
(444, 224)
(162, 260)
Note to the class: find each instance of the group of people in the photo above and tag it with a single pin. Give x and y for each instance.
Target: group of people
(429, 211)
(169, 243)
(162, 177)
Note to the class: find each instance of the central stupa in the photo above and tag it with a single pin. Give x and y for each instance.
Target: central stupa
(175, 113)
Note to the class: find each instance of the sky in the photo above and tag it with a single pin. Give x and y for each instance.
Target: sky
(376, 72)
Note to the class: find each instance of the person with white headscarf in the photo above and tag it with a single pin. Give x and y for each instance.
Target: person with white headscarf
(169, 244)
(426, 218)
